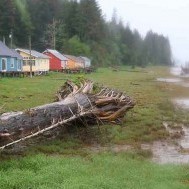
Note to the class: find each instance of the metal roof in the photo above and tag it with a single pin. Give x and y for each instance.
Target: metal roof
(17, 55)
(85, 58)
(33, 53)
(57, 54)
(5, 51)
(74, 58)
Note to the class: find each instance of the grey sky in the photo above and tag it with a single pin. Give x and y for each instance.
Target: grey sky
(167, 17)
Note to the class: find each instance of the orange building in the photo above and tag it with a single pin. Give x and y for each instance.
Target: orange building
(74, 62)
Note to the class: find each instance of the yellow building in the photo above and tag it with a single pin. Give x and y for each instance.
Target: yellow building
(40, 62)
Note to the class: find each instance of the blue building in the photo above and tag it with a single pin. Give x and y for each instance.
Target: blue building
(10, 60)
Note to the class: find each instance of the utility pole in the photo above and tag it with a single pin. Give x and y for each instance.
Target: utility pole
(30, 62)
(4, 40)
(54, 33)
(11, 36)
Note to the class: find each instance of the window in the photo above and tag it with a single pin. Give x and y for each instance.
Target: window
(4, 64)
(25, 63)
(19, 64)
(12, 63)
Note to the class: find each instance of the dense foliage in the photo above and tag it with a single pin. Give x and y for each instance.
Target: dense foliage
(79, 28)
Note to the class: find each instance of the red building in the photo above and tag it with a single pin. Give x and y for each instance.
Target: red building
(58, 61)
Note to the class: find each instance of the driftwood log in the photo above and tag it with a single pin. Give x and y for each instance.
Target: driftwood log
(85, 101)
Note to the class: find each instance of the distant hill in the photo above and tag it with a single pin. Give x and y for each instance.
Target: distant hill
(79, 28)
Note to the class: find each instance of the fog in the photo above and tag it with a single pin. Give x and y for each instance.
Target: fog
(167, 17)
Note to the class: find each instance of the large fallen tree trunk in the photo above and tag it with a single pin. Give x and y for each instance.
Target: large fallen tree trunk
(84, 102)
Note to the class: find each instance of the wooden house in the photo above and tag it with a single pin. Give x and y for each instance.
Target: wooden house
(58, 61)
(74, 62)
(87, 62)
(40, 62)
(80, 62)
(10, 60)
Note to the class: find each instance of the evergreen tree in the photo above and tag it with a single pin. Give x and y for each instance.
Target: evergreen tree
(80, 29)
(7, 17)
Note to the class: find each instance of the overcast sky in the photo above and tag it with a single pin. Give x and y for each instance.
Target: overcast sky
(167, 17)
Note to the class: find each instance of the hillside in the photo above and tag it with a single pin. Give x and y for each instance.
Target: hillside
(79, 28)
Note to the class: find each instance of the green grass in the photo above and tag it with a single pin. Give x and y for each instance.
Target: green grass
(111, 171)
(142, 124)
(67, 162)
(153, 105)
(23, 93)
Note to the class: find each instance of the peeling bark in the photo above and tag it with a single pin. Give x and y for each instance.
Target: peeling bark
(73, 102)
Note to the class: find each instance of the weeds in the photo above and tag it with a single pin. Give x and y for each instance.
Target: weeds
(64, 162)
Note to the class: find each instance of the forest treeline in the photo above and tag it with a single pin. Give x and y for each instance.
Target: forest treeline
(79, 28)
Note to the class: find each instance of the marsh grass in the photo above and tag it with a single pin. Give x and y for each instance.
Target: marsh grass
(142, 124)
(64, 162)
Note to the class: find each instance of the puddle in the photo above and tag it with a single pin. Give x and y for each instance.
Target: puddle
(177, 81)
(164, 153)
(184, 141)
(169, 80)
(177, 71)
(182, 103)
(175, 151)
(176, 148)
(184, 84)
(185, 75)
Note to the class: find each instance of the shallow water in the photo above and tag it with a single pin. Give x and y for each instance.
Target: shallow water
(174, 150)
(169, 80)
(182, 103)
(177, 81)
(176, 71)
(164, 153)
(184, 141)
(184, 84)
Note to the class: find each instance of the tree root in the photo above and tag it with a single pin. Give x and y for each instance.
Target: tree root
(74, 102)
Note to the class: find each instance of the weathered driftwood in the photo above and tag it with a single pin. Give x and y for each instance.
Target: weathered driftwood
(74, 103)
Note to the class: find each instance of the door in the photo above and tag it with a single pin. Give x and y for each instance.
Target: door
(18, 65)
(4, 64)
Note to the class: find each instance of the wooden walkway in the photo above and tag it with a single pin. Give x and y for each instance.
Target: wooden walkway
(21, 74)
(12, 74)
(27, 74)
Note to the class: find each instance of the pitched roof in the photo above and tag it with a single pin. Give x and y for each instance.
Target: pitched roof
(33, 53)
(5, 51)
(17, 55)
(81, 60)
(74, 58)
(85, 58)
(57, 54)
